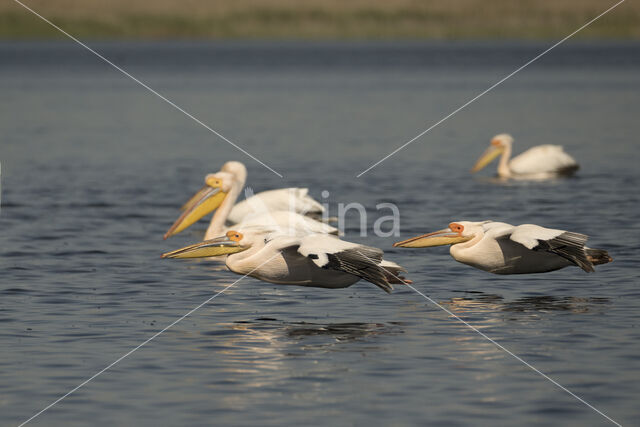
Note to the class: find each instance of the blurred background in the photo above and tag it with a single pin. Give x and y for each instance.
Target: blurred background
(317, 19)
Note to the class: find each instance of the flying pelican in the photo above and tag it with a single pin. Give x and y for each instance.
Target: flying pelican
(220, 193)
(502, 248)
(540, 162)
(298, 258)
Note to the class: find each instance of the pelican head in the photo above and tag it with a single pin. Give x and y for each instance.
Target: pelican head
(232, 242)
(458, 232)
(499, 144)
(206, 200)
(236, 168)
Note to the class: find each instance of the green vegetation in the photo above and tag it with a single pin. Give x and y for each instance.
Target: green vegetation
(319, 19)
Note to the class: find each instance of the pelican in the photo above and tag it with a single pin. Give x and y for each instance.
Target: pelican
(220, 193)
(298, 258)
(502, 248)
(283, 199)
(540, 162)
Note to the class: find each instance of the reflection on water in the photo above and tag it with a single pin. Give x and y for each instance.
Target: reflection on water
(341, 331)
(317, 334)
(265, 351)
(497, 180)
(543, 303)
(268, 336)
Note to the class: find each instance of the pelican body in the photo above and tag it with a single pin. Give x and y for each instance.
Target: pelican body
(502, 248)
(278, 208)
(537, 163)
(313, 260)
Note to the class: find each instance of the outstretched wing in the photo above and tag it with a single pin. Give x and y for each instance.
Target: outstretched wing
(566, 244)
(332, 253)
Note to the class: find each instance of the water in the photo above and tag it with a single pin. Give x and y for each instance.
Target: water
(94, 168)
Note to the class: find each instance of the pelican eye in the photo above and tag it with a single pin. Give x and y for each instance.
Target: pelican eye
(495, 143)
(214, 182)
(456, 228)
(234, 235)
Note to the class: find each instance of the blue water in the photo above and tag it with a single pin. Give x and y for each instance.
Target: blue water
(94, 168)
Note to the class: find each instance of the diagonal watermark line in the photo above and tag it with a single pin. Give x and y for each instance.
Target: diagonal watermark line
(489, 89)
(150, 89)
(518, 358)
(106, 368)
(500, 346)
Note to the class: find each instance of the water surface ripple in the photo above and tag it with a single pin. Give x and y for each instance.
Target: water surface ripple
(94, 169)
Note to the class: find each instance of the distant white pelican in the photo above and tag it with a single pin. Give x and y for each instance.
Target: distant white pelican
(502, 248)
(540, 162)
(221, 191)
(314, 260)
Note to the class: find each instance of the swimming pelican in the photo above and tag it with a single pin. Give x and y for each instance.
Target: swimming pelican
(282, 199)
(540, 162)
(220, 193)
(502, 248)
(314, 260)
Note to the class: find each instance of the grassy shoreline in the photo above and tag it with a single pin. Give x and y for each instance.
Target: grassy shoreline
(319, 19)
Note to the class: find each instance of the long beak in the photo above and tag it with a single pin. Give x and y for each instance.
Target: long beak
(203, 202)
(486, 158)
(213, 247)
(437, 238)
(194, 199)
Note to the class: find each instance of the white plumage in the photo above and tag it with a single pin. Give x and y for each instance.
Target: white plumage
(542, 159)
(540, 162)
(281, 208)
(297, 258)
(502, 248)
(283, 199)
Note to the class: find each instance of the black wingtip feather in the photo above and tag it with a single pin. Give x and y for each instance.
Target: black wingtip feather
(570, 246)
(598, 256)
(363, 263)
